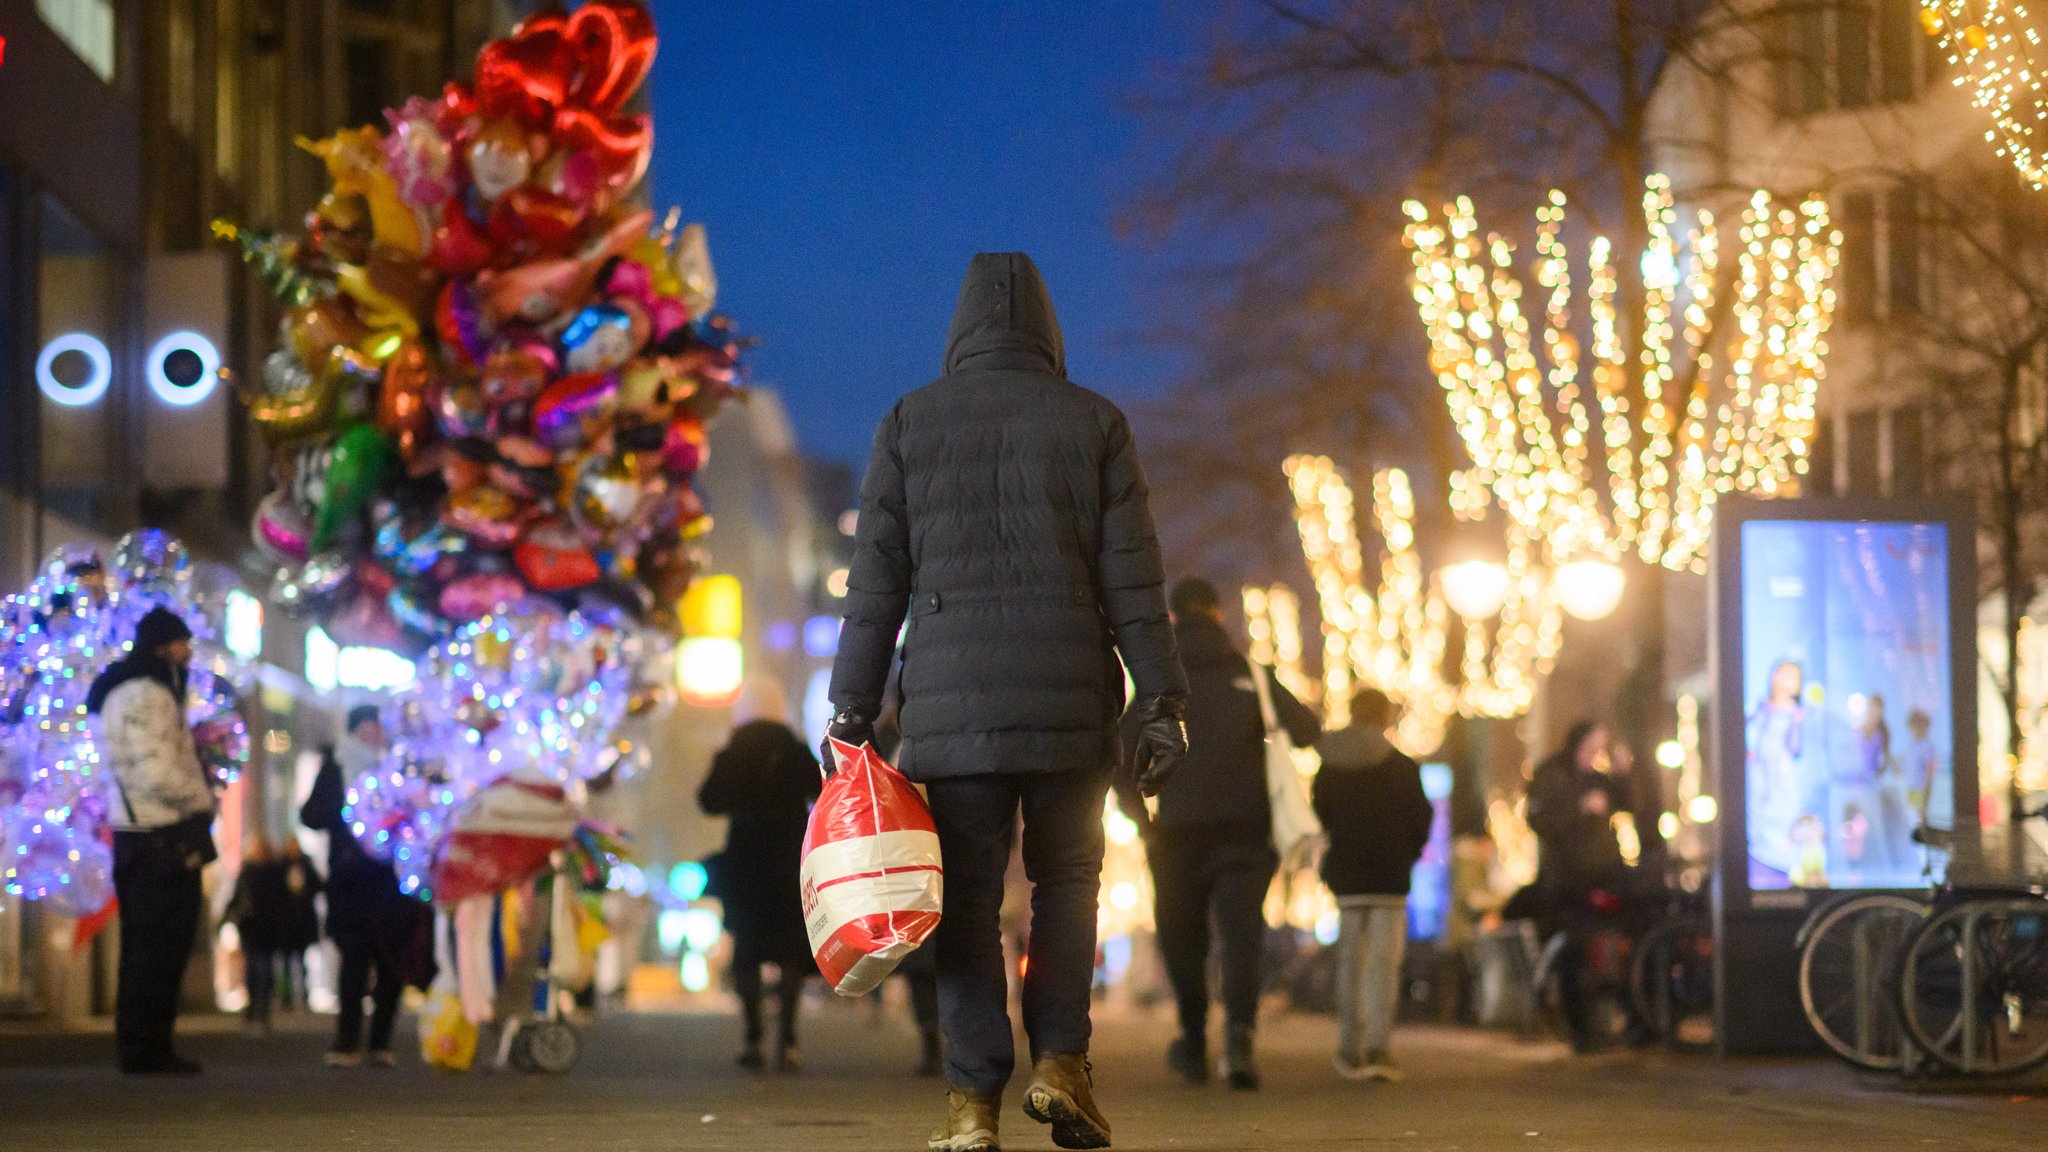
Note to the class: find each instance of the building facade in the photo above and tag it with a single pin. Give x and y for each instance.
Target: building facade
(131, 125)
(1938, 357)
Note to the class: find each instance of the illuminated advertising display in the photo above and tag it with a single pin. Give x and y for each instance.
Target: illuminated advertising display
(1846, 702)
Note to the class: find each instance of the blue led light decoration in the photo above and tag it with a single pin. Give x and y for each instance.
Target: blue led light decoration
(56, 636)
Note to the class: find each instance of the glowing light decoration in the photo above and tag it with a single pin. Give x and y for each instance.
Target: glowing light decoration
(1590, 448)
(1396, 636)
(176, 393)
(99, 370)
(526, 691)
(1994, 48)
(56, 636)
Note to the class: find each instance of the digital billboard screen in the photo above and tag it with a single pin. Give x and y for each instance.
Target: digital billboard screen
(1847, 709)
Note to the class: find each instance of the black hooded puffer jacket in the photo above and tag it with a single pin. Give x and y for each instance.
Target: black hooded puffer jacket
(1005, 512)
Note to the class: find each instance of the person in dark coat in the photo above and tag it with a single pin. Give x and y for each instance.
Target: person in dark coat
(162, 812)
(1581, 877)
(1005, 514)
(1369, 798)
(764, 781)
(260, 909)
(1211, 846)
(377, 929)
(302, 883)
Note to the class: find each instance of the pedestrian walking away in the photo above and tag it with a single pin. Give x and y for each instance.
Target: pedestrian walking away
(302, 884)
(764, 781)
(1211, 846)
(261, 909)
(1005, 514)
(1369, 798)
(379, 931)
(163, 836)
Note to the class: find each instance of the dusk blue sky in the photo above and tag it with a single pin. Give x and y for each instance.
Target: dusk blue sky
(848, 158)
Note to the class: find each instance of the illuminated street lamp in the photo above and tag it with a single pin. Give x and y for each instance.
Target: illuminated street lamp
(1475, 589)
(1589, 589)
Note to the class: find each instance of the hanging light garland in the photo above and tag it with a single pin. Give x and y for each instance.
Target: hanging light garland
(1396, 637)
(1719, 399)
(1993, 45)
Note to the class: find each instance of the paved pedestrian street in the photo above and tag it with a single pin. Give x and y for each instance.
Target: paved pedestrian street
(652, 1082)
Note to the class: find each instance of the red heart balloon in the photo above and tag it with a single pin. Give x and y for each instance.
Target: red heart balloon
(620, 145)
(527, 74)
(458, 245)
(540, 220)
(616, 41)
(554, 569)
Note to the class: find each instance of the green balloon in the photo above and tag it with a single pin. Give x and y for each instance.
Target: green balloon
(357, 467)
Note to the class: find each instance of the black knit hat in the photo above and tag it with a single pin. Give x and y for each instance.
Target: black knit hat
(160, 626)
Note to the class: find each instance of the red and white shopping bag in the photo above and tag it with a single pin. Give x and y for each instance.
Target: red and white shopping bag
(871, 874)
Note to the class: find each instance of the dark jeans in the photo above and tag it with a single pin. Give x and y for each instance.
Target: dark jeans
(259, 975)
(1197, 873)
(160, 906)
(361, 954)
(748, 957)
(977, 822)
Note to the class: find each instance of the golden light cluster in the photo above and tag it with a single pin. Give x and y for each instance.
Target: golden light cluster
(1395, 636)
(1587, 452)
(1992, 45)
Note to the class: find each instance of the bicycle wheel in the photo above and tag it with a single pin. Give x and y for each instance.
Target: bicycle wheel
(1671, 981)
(1847, 978)
(1973, 986)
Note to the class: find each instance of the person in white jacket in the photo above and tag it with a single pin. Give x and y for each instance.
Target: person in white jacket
(162, 814)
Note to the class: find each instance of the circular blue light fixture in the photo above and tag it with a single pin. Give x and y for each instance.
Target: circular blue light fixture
(183, 368)
(98, 376)
(687, 880)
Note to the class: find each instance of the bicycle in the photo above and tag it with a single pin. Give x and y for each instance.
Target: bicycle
(1973, 978)
(1848, 971)
(1671, 974)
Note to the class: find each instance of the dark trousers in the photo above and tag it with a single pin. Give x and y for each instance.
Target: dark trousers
(160, 906)
(367, 968)
(1201, 873)
(748, 957)
(259, 975)
(977, 822)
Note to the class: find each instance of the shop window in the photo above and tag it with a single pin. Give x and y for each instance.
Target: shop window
(87, 26)
(1859, 257)
(1851, 54)
(1899, 49)
(1902, 249)
(1862, 456)
(1820, 460)
(1909, 452)
(181, 68)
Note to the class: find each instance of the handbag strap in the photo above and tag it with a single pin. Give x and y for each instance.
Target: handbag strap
(1267, 714)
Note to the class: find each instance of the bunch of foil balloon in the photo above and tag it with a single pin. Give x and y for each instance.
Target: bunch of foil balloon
(494, 368)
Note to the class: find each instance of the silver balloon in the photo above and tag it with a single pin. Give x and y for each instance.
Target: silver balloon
(151, 561)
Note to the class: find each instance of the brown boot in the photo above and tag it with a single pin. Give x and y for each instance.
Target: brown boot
(1062, 1094)
(970, 1123)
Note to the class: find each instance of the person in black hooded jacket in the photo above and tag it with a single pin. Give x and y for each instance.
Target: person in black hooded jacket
(1005, 513)
(1211, 846)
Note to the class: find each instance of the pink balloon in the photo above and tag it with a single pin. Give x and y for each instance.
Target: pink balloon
(477, 596)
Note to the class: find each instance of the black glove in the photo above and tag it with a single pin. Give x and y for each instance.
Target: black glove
(1162, 742)
(848, 727)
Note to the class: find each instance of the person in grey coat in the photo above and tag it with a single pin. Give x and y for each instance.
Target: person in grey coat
(1004, 513)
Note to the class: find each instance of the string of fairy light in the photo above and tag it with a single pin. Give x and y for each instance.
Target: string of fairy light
(1992, 46)
(1395, 636)
(1719, 398)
